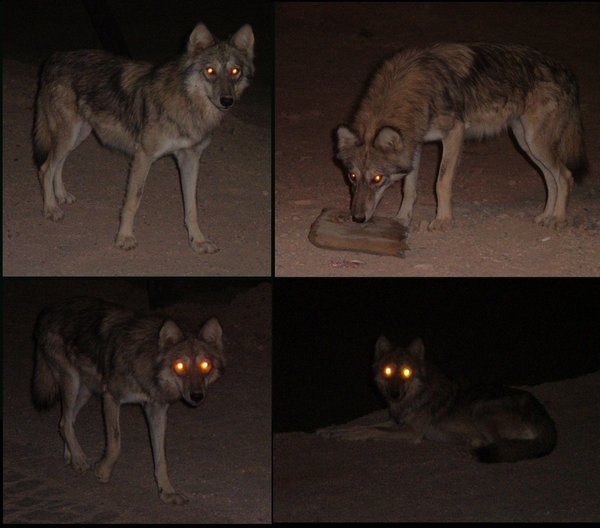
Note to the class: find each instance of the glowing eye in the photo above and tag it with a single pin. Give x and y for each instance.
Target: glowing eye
(179, 367)
(377, 178)
(204, 366)
(234, 71)
(352, 176)
(210, 71)
(406, 372)
(388, 371)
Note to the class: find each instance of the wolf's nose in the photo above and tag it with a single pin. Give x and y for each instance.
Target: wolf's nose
(358, 218)
(197, 396)
(226, 101)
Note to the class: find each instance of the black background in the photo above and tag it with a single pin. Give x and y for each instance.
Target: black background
(512, 331)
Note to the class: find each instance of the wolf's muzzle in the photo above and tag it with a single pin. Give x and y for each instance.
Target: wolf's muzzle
(226, 101)
(197, 397)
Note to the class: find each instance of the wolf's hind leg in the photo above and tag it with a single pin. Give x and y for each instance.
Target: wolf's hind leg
(65, 141)
(533, 137)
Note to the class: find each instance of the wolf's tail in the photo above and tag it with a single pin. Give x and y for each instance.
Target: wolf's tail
(42, 139)
(570, 143)
(513, 450)
(45, 388)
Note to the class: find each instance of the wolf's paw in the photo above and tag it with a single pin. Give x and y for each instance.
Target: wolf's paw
(206, 246)
(173, 498)
(551, 221)
(126, 242)
(360, 433)
(326, 432)
(440, 224)
(80, 464)
(67, 198)
(54, 213)
(403, 220)
(102, 471)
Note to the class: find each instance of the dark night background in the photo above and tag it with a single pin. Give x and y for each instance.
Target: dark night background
(512, 331)
(151, 30)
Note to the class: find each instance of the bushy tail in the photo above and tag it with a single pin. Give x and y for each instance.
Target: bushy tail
(45, 388)
(42, 139)
(571, 145)
(513, 450)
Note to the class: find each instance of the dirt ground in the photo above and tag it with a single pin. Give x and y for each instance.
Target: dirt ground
(234, 199)
(497, 192)
(324, 480)
(219, 454)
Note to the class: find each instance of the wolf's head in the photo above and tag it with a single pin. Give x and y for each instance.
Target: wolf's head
(189, 363)
(399, 371)
(372, 165)
(220, 69)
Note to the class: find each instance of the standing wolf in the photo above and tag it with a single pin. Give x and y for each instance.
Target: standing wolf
(450, 92)
(501, 424)
(146, 111)
(86, 346)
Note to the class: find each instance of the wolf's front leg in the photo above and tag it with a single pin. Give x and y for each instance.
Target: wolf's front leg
(188, 161)
(451, 145)
(156, 413)
(387, 430)
(105, 466)
(409, 191)
(74, 396)
(135, 188)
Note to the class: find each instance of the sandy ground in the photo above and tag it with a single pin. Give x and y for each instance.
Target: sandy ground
(320, 480)
(219, 454)
(234, 199)
(497, 191)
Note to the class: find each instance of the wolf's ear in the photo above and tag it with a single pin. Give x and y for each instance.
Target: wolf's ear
(417, 348)
(346, 138)
(382, 347)
(388, 139)
(170, 334)
(212, 333)
(200, 39)
(244, 40)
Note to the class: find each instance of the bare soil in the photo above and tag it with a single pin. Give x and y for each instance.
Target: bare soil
(234, 197)
(325, 55)
(324, 480)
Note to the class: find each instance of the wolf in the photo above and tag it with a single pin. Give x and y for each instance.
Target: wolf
(451, 92)
(88, 346)
(146, 111)
(500, 424)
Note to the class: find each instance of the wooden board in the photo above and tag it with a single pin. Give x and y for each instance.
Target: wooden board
(334, 229)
